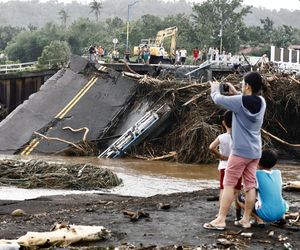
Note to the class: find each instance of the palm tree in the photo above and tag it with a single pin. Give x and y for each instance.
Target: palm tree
(63, 15)
(96, 7)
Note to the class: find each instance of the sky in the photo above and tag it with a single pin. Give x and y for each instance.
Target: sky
(268, 4)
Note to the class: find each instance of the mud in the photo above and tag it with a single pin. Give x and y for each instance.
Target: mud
(173, 228)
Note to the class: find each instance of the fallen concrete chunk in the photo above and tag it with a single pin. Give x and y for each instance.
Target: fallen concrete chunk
(68, 99)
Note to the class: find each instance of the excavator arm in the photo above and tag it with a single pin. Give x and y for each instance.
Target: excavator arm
(154, 45)
(168, 32)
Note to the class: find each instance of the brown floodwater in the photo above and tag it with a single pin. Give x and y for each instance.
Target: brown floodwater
(143, 178)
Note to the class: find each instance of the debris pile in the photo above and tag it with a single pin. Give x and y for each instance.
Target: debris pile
(197, 120)
(41, 174)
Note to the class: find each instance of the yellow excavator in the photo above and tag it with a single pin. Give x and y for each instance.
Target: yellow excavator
(156, 45)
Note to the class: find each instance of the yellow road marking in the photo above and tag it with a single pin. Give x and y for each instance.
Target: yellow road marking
(75, 97)
(76, 100)
(30, 144)
(33, 144)
(32, 147)
(103, 68)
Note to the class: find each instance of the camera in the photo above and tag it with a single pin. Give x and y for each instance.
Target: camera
(224, 88)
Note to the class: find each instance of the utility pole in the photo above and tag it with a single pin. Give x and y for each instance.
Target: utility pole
(128, 12)
(221, 35)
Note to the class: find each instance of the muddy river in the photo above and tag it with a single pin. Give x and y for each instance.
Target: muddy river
(143, 178)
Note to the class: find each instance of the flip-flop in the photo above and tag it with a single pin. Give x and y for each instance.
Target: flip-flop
(209, 226)
(254, 223)
(239, 224)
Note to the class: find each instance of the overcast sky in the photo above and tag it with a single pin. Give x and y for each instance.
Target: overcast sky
(269, 4)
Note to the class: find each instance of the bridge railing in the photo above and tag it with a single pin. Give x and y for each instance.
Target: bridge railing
(18, 67)
(6, 68)
(285, 60)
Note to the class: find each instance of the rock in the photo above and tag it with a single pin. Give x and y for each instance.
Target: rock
(213, 198)
(248, 235)
(135, 216)
(18, 212)
(288, 246)
(271, 234)
(225, 242)
(162, 205)
(90, 209)
(282, 238)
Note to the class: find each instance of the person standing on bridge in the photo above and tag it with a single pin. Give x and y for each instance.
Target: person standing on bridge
(195, 55)
(183, 54)
(92, 52)
(101, 52)
(146, 54)
(177, 57)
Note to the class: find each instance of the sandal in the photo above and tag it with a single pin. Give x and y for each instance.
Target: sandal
(239, 224)
(209, 226)
(254, 223)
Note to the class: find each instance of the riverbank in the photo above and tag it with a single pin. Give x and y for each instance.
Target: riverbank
(179, 225)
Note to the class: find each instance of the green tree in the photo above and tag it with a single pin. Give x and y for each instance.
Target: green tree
(32, 27)
(80, 35)
(56, 54)
(267, 31)
(7, 33)
(284, 36)
(216, 19)
(63, 16)
(28, 45)
(96, 8)
(25, 47)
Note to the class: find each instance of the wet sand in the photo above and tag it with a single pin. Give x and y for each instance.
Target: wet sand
(180, 225)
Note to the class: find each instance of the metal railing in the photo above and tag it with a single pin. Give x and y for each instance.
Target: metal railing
(17, 67)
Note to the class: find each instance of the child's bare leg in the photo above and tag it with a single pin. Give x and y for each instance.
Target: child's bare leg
(256, 217)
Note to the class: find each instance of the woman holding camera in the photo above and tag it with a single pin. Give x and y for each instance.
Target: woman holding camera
(248, 110)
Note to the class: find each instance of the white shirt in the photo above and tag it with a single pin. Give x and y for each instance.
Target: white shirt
(224, 148)
(183, 53)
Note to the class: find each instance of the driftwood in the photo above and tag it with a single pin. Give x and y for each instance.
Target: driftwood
(79, 129)
(196, 120)
(162, 157)
(135, 216)
(41, 174)
(58, 139)
(292, 186)
(280, 140)
(9, 245)
(293, 79)
(64, 236)
(133, 75)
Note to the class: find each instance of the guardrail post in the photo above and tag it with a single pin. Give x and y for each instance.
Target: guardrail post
(272, 54)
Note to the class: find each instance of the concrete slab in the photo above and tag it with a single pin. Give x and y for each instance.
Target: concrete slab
(66, 99)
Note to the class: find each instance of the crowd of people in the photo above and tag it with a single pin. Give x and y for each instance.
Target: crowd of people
(241, 156)
(97, 53)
